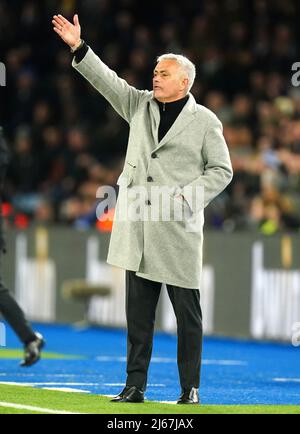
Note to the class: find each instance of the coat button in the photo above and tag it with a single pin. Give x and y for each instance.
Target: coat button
(154, 155)
(149, 179)
(148, 202)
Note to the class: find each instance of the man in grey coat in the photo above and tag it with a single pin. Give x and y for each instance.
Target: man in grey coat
(176, 147)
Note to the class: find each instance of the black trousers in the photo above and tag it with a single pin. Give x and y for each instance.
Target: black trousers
(13, 314)
(141, 300)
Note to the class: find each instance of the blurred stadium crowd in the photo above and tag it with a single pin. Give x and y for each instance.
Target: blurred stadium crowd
(67, 141)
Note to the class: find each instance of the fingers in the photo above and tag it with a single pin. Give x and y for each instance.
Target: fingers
(57, 28)
(58, 31)
(57, 20)
(60, 22)
(76, 20)
(64, 20)
(56, 24)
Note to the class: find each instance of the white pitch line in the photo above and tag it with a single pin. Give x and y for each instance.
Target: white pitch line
(2, 374)
(13, 383)
(224, 362)
(168, 402)
(44, 383)
(32, 384)
(31, 408)
(287, 380)
(161, 402)
(123, 384)
(173, 360)
(66, 389)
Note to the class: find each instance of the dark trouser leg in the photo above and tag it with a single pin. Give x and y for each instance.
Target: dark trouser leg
(14, 315)
(186, 305)
(141, 300)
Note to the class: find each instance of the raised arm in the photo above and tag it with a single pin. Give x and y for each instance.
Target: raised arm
(124, 98)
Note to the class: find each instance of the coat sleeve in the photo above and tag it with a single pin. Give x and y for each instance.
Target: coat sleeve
(124, 98)
(217, 173)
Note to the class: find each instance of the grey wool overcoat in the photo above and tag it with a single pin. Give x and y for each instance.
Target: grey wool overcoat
(192, 157)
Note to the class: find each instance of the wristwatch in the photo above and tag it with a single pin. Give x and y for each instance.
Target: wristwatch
(73, 50)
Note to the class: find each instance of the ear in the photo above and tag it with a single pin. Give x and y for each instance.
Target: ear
(184, 82)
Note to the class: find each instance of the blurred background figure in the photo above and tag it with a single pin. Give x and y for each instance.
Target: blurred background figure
(13, 314)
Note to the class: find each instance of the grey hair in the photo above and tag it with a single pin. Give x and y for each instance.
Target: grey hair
(186, 65)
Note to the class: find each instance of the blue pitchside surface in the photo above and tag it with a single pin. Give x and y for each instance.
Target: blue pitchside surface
(233, 372)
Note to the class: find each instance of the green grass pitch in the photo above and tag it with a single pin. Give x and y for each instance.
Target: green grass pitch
(17, 399)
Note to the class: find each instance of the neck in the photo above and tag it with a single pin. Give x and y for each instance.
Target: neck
(173, 105)
(168, 100)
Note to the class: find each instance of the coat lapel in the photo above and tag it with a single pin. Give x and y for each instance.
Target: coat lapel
(154, 120)
(185, 117)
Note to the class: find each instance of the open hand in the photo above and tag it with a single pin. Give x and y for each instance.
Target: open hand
(69, 33)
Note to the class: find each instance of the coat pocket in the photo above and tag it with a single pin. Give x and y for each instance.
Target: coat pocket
(181, 202)
(175, 195)
(126, 177)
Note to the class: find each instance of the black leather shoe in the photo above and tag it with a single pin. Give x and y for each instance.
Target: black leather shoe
(129, 394)
(121, 395)
(189, 396)
(32, 351)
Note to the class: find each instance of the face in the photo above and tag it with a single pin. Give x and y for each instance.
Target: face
(169, 81)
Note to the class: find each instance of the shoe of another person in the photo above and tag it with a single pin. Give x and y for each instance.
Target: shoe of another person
(32, 351)
(129, 394)
(189, 396)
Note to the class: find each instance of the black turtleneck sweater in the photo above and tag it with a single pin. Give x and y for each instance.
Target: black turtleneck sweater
(168, 111)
